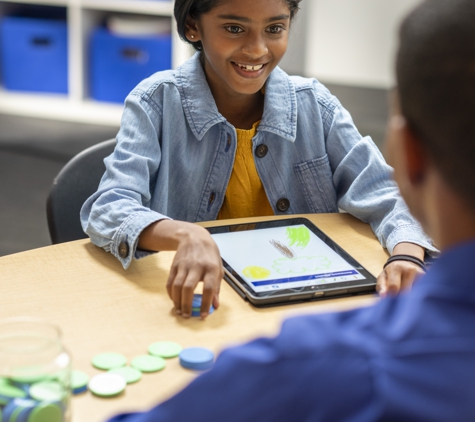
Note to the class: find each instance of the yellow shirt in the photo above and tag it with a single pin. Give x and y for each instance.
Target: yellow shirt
(245, 195)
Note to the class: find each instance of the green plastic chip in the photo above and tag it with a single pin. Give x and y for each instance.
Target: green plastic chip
(49, 391)
(165, 349)
(10, 391)
(147, 363)
(46, 413)
(79, 380)
(108, 361)
(130, 375)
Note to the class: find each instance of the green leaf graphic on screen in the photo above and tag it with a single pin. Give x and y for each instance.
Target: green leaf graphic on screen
(255, 272)
(298, 236)
(301, 264)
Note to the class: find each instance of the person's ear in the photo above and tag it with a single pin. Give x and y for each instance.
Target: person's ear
(192, 31)
(414, 154)
(404, 152)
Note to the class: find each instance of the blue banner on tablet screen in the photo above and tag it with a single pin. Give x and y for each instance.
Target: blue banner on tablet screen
(283, 258)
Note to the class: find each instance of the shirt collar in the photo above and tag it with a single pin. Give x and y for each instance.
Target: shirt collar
(280, 103)
(280, 106)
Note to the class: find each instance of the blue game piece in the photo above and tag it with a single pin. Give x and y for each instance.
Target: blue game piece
(197, 358)
(18, 410)
(77, 391)
(196, 306)
(22, 414)
(8, 410)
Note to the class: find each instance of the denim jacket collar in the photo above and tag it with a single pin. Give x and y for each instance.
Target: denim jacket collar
(280, 103)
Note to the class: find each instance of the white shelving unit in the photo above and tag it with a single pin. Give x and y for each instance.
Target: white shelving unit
(82, 17)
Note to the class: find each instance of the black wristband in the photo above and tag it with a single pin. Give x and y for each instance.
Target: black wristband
(408, 258)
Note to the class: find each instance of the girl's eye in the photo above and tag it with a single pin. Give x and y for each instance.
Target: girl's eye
(275, 29)
(233, 29)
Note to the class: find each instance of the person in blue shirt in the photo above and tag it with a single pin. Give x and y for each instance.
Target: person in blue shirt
(410, 357)
(178, 156)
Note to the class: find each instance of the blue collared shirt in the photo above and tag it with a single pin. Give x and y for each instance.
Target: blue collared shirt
(175, 153)
(407, 358)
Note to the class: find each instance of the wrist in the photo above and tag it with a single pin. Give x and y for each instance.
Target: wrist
(167, 235)
(406, 248)
(408, 258)
(187, 232)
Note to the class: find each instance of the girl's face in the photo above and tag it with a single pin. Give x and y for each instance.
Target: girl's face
(243, 41)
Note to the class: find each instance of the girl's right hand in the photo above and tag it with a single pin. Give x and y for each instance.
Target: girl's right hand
(197, 260)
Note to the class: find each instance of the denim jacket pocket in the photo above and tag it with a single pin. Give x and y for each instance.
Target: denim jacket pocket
(315, 177)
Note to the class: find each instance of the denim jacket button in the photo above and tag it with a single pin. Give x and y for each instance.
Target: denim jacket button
(261, 150)
(283, 204)
(123, 250)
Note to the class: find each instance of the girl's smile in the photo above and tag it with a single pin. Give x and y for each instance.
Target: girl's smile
(249, 71)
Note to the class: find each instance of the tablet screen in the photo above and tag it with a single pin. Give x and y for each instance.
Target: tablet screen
(285, 257)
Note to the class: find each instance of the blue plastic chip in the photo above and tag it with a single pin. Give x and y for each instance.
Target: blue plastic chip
(196, 306)
(18, 410)
(197, 358)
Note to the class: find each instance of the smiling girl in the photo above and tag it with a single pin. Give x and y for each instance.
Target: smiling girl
(230, 135)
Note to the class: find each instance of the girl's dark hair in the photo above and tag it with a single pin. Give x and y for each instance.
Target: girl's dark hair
(196, 8)
(436, 82)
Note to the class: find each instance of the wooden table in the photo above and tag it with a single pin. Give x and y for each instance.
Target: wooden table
(101, 307)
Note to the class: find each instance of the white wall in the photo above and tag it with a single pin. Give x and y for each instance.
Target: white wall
(295, 57)
(353, 42)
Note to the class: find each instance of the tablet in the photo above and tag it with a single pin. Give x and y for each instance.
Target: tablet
(290, 260)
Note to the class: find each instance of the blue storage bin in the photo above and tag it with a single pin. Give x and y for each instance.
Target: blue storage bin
(34, 54)
(119, 63)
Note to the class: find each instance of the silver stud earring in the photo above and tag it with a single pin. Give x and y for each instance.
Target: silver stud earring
(192, 37)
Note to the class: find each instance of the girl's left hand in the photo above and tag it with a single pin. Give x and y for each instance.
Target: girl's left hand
(400, 275)
(397, 276)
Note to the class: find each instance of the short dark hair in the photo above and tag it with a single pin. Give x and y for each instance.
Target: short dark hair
(435, 71)
(195, 8)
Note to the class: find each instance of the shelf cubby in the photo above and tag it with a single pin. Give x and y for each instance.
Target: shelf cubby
(82, 17)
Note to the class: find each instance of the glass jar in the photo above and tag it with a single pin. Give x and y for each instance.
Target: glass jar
(35, 372)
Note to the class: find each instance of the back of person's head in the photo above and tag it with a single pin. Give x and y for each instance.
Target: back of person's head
(436, 85)
(185, 9)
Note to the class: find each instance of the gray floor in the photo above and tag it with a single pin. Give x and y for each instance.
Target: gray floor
(33, 151)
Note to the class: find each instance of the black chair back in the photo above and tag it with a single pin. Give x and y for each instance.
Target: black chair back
(76, 182)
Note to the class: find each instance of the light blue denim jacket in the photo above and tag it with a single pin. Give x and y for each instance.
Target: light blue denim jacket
(175, 153)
